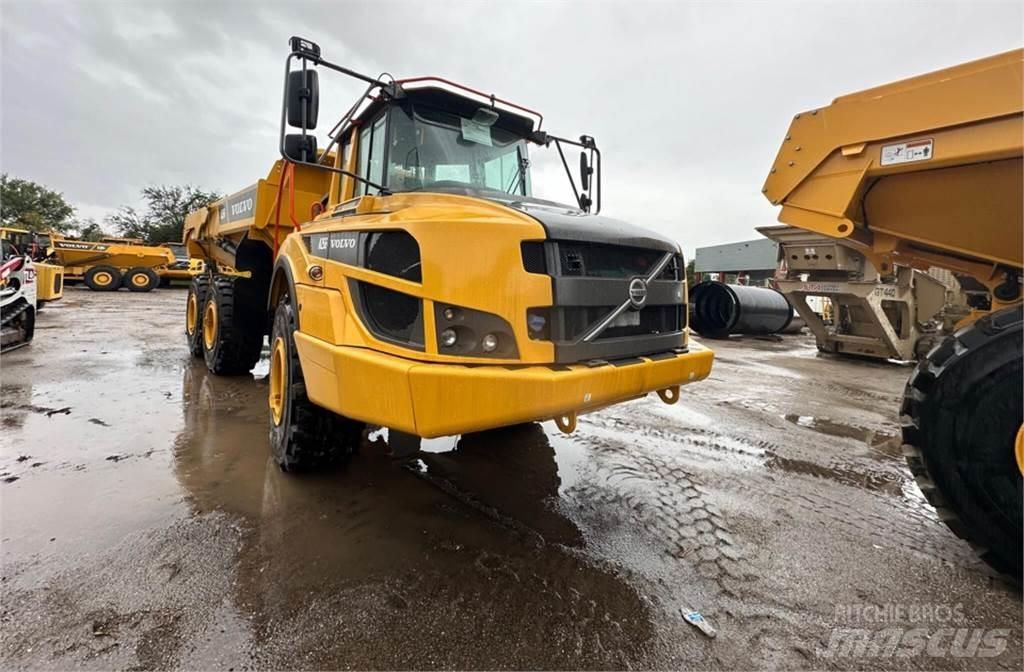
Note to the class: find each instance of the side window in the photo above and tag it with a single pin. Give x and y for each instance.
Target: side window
(377, 152)
(364, 159)
(371, 155)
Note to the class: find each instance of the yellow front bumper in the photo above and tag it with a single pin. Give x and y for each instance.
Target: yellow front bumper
(444, 399)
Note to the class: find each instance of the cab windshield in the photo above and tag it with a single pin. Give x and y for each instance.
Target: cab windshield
(434, 149)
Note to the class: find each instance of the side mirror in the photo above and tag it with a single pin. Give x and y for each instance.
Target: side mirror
(300, 148)
(303, 98)
(585, 172)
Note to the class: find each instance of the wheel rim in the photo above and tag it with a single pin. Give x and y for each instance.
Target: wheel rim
(191, 313)
(1018, 450)
(140, 280)
(278, 375)
(103, 278)
(210, 325)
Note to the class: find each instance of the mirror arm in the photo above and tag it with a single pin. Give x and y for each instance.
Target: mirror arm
(336, 132)
(568, 172)
(384, 191)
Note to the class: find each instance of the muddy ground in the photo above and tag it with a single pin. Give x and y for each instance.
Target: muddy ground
(143, 525)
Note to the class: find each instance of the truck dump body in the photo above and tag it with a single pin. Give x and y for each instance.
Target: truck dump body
(902, 169)
(80, 253)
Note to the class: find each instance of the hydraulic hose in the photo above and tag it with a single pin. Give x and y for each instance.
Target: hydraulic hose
(719, 310)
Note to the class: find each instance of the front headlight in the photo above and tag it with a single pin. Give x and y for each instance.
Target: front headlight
(473, 333)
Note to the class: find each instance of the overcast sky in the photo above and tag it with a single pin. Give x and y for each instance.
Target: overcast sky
(688, 101)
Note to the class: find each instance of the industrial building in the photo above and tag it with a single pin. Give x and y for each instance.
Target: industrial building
(748, 262)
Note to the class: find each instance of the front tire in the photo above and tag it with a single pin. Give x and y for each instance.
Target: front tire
(141, 280)
(303, 435)
(103, 278)
(231, 346)
(962, 411)
(194, 305)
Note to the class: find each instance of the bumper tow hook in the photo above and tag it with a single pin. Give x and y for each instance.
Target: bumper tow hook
(669, 395)
(567, 422)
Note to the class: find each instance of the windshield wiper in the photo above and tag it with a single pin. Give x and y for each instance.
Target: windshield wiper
(524, 163)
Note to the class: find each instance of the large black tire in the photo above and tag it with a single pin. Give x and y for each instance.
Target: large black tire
(961, 412)
(21, 316)
(103, 278)
(194, 304)
(141, 279)
(303, 436)
(231, 344)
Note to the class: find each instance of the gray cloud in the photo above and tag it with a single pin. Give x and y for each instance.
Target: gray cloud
(688, 101)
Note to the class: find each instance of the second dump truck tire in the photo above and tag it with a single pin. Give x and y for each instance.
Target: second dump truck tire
(141, 279)
(103, 278)
(231, 345)
(194, 305)
(302, 435)
(962, 411)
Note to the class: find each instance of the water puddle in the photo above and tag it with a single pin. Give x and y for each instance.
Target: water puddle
(887, 444)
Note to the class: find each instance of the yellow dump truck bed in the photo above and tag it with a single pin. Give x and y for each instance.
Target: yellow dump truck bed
(81, 253)
(925, 171)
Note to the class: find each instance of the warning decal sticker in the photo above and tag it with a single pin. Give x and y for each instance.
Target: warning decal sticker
(905, 152)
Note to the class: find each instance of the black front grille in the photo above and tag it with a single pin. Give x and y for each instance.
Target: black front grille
(533, 257)
(652, 320)
(589, 281)
(594, 260)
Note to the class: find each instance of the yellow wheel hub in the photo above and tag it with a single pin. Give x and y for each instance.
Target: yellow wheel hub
(210, 325)
(1018, 449)
(140, 280)
(191, 313)
(278, 376)
(103, 278)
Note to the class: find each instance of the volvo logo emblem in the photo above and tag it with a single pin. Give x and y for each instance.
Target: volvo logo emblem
(637, 293)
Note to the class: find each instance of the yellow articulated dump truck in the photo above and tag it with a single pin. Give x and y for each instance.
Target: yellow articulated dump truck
(928, 172)
(112, 263)
(407, 278)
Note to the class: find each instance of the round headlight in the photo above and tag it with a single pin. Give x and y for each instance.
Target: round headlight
(316, 273)
(449, 313)
(448, 338)
(489, 342)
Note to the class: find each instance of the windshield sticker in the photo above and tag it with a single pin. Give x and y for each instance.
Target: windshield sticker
(474, 132)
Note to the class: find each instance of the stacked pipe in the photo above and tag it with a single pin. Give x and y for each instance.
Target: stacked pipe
(718, 310)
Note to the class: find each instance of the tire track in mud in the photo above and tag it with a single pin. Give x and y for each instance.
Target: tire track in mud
(672, 487)
(666, 500)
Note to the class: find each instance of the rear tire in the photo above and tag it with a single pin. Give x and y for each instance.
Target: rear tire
(103, 278)
(231, 346)
(303, 435)
(194, 304)
(141, 279)
(962, 410)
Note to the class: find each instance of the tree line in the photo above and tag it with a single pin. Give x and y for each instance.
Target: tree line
(159, 218)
